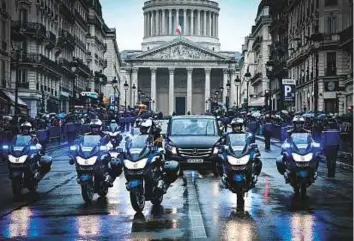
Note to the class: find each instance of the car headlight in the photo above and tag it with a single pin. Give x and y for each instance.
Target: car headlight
(238, 161)
(86, 162)
(17, 160)
(216, 150)
(300, 158)
(172, 149)
(135, 165)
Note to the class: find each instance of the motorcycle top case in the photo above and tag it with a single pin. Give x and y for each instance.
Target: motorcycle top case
(171, 170)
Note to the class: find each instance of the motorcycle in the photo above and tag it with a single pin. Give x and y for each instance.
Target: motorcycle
(115, 139)
(92, 160)
(27, 166)
(148, 175)
(240, 165)
(298, 161)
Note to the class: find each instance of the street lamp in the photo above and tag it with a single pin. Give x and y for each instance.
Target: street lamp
(74, 65)
(317, 39)
(134, 89)
(247, 79)
(237, 84)
(126, 86)
(269, 66)
(115, 88)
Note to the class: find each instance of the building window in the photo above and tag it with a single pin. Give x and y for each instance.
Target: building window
(332, 24)
(3, 76)
(330, 3)
(331, 63)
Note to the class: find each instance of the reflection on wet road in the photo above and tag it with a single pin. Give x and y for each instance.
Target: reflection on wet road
(201, 209)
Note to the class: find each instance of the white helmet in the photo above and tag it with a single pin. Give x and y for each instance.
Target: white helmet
(26, 124)
(147, 123)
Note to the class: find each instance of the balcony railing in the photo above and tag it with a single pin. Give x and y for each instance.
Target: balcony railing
(331, 71)
(35, 30)
(83, 67)
(42, 60)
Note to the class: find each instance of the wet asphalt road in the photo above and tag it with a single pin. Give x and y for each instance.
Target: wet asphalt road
(202, 209)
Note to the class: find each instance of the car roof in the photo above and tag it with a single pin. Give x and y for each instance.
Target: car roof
(194, 117)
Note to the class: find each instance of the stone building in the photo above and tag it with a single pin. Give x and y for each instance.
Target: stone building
(179, 74)
(257, 48)
(321, 21)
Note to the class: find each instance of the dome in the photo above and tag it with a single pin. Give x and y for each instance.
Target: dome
(195, 20)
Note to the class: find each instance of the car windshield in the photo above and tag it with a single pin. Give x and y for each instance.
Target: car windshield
(300, 138)
(193, 127)
(21, 140)
(237, 139)
(91, 141)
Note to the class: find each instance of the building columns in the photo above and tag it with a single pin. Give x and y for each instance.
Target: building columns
(207, 84)
(170, 22)
(177, 19)
(192, 23)
(210, 23)
(205, 24)
(224, 94)
(233, 94)
(198, 22)
(184, 31)
(171, 97)
(134, 96)
(189, 89)
(153, 86)
(163, 23)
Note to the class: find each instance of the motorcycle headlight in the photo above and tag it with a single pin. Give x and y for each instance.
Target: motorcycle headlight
(135, 165)
(73, 148)
(238, 161)
(86, 162)
(5, 147)
(17, 160)
(300, 158)
(32, 148)
(103, 148)
(172, 149)
(216, 150)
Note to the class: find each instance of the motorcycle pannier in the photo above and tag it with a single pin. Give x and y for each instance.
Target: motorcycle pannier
(171, 171)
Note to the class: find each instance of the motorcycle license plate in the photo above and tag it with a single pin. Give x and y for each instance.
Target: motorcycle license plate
(195, 161)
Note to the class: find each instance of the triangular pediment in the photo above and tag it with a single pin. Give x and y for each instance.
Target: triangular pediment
(180, 50)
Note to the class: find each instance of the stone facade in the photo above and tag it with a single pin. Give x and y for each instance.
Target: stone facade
(180, 74)
(328, 19)
(256, 55)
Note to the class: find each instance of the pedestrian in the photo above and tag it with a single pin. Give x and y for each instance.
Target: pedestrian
(330, 141)
(267, 130)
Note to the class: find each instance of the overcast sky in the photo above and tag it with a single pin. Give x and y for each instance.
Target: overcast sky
(235, 21)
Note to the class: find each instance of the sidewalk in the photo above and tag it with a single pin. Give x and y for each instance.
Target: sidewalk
(344, 160)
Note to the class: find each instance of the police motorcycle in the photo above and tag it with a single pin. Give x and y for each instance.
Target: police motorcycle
(148, 175)
(115, 137)
(92, 161)
(27, 165)
(241, 165)
(298, 161)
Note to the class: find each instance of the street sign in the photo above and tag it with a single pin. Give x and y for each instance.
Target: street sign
(90, 94)
(288, 90)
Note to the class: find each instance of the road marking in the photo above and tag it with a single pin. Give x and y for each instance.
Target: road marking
(194, 212)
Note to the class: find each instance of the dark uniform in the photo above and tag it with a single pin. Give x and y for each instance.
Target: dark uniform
(330, 141)
(267, 131)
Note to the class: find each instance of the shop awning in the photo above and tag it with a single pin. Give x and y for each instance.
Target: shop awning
(12, 98)
(258, 102)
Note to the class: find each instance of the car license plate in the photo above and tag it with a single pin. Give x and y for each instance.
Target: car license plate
(195, 160)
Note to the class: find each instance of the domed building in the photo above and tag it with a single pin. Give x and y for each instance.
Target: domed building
(180, 66)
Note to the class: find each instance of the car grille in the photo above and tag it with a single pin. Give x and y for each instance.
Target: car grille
(302, 164)
(194, 152)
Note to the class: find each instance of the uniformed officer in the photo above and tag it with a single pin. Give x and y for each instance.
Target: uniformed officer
(252, 128)
(330, 141)
(267, 127)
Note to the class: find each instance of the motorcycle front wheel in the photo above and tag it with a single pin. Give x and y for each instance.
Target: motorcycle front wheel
(102, 191)
(87, 192)
(16, 186)
(137, 199)
(303, 191)
(33, 187)
(240, 201)
(157, 200)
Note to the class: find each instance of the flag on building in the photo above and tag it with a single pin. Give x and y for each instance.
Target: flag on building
(179, 30)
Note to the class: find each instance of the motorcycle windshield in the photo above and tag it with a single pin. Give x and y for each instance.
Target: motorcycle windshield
(238, 143)
(20, 145)
(136, 147)
(301, 142)
(114, 127)
(89, 145)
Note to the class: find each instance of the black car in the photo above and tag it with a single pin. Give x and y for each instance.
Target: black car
(191, 140)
